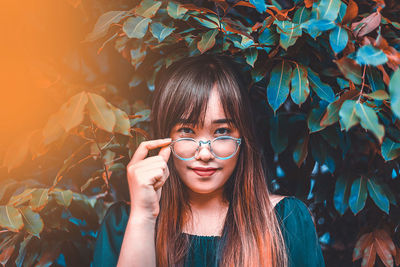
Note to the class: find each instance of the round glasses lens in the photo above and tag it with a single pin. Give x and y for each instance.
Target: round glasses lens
(185, 148)
(224, 147)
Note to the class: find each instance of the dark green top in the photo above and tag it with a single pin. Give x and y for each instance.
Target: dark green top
(295, 220)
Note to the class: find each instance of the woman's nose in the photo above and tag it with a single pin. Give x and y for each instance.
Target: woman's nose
(204, 153)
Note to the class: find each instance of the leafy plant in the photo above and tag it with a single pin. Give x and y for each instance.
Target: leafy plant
(325, 79)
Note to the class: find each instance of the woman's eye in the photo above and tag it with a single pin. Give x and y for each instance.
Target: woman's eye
(223, 130)
(185, 130)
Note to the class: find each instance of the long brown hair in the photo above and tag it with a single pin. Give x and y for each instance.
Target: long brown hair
(251, 234)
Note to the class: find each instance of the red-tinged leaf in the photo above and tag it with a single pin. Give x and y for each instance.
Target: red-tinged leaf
(207, 41)
(122, 124)
(39, 199)
(71, 113)
(202, 10)
(21, 198)
(142, 132)
(100, 112)
(49, 254)
(351, 12)
(369, 256)
(350, 69)
(382, 234)
(386, 78)
(244, 3)
(332, 111)
(364, 241)
(309, 3)
(383, 250)
(6, 254)
(366, 25)
(397, 258)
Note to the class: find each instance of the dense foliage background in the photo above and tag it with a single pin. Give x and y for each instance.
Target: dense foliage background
(325, 81)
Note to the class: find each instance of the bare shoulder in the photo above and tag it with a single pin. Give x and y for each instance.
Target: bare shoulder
(275, 199)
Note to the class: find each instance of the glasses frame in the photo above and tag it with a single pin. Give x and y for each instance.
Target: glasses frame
(238, 141)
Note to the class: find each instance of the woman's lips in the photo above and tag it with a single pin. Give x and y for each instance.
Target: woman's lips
(204, 172)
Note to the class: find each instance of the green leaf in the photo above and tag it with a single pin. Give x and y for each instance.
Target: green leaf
(377, 194)
(328, 9)
(350, 69)
(148, 8)
(160, 31)
(101, 112)
(332, 111)
(300, 85)
(136, 27)
(251, 56)
(62, 197)
(175, 10)
(323, 90)
(211, 22)
(39, 199)
(394, 91)
(378, 95)
(278, 87)
(369, 55)
(122, 124)
(21, 198)
(103, 24)
(71, 113)
(207, 41)
(10, 218)
(289, 32)
(347, 113)
(341, 195)
(32, 220)
(301, 15)
(358, 195)
(338, 39)
(369, 120)
(390, 150)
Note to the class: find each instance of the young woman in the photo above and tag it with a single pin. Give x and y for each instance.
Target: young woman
(203, 200)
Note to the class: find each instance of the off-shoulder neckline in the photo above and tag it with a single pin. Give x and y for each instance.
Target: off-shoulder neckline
(217, 236)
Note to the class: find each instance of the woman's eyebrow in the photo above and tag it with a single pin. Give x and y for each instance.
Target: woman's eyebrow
(220, 121)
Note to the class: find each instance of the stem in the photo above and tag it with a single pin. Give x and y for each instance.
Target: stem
(101, 155)
(362, 85)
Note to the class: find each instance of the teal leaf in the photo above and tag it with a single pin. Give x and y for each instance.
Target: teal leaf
(328, 9)
(347, 114)
(338, 39)
(175, 10)
(358, 195)
(246, 42)
(278, 87)
(394, 91)
(300, 151)
(103, 24)
(374, 79)
(369, 55)
(289, 32)
(147, 8)
(369, 120)
(342, 83)
(160, 31)
(278, 134)
(260, 5)
(251, 56)
(137, 56)
(323, 90)
(207, 41)
(300, 85)
(389, 149)
(314, 27)
(378, 195)
(315, 117)
(32, 221)
(136, 27)
(301, 15)
(208, 23)
(268, 37)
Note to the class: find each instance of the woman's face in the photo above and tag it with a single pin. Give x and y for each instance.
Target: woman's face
(203, 182)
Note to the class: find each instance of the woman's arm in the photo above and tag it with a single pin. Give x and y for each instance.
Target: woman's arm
(138, 247)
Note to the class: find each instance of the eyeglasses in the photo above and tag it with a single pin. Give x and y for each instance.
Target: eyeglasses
(222, 147)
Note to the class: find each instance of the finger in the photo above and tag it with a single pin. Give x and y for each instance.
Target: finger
(165, 152)
(144, 147)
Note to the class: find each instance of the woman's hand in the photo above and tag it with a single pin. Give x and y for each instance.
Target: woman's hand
(146, 176)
